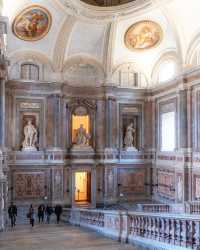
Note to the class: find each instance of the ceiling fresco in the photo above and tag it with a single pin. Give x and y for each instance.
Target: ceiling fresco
(32, 23)
(143, 35)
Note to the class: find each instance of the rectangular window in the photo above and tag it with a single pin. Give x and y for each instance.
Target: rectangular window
(168, 131)
(29, 71)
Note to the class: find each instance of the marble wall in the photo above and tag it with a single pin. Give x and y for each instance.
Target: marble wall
(117, 174)
(48, 173)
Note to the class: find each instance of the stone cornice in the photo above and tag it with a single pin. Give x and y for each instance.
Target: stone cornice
(87, 11)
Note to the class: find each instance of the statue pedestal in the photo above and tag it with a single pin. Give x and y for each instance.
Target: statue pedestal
(29, 149)
(82, 148)
(131, 149)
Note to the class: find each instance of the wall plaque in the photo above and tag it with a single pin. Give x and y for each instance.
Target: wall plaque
(28, 105)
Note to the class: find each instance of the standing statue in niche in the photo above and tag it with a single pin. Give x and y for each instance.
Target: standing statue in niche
(82, 137)
(30, 137)
(129, 140)
(180, 189)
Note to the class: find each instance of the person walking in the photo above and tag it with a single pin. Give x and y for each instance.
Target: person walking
(41, 211)
(58, 212)
(32, 215)
(12, 212)
(48, 212)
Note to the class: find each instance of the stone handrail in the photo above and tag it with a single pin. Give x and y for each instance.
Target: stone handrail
(192, 207)
(154, 208)
(163, 230)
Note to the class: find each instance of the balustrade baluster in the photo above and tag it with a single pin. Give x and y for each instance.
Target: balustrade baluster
(167, 231)
(154, 228)
(184, 233)
(197, 233)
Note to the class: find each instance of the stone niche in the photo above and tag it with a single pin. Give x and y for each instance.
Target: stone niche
(131, 114)
(82, 114)
(33, 111)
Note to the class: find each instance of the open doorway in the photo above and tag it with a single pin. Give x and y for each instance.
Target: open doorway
(82, 187)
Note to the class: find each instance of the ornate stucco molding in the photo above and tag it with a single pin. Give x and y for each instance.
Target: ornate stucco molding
(104, 13)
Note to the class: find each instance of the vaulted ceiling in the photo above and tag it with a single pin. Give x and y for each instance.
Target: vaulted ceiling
(92, 35)
(105, 3)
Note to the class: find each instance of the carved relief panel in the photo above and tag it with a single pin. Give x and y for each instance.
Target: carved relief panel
(166, 185)
(110, 182)
(131, 181)
(57, 175)
(29, 185)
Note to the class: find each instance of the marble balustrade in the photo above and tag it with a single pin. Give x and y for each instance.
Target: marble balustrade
(192, 207)
(165, 228)
(154, 208)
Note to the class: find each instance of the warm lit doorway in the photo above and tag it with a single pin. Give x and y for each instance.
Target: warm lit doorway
(82, 187)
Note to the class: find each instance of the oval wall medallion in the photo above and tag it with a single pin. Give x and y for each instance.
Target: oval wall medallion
(32, 24)
(143, 35)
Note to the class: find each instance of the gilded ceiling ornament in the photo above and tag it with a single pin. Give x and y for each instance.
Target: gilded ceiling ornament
(32, 24)
(143, 35)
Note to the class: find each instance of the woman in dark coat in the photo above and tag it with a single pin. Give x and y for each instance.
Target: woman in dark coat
(31, 215)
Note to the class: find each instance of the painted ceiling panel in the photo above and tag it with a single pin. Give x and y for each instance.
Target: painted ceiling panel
(87, 38)
(179, 20)
(145, 58)
(45, 45)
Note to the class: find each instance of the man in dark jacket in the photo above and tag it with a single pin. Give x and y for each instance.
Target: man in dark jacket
(12, 212)
(41, 211)
(48, 212)
(58, 212)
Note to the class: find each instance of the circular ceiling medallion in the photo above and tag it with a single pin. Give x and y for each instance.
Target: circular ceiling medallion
(106, 3)
(32, 24)
(143, 35)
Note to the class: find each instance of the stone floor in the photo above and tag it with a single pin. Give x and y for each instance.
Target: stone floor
(53, 237)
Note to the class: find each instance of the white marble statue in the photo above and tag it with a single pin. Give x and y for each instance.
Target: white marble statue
(180, 188)
(82, 137)
(30, 137)
(129, 137)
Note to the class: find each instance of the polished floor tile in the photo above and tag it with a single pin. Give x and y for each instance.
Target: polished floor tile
(61, 237)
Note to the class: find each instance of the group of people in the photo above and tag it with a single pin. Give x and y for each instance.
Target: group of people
(43, 213)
